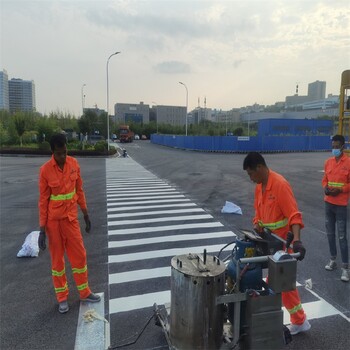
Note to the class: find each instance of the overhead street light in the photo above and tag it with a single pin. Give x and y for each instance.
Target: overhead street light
(82, 97)
(113, 54)
(186, 101)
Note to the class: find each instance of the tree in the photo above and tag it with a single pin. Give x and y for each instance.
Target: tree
(20, 125)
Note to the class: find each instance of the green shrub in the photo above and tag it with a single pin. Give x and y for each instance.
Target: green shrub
(101, 146)
(45, 146)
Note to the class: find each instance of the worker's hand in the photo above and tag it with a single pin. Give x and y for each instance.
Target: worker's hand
(299, 248)
(334, 191)
(327, 191)
(42, 240)
(87, 223)
(257, 228)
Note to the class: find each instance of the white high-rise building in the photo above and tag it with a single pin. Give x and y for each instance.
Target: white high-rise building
(316, 90)
(21, 95)
(4, 91)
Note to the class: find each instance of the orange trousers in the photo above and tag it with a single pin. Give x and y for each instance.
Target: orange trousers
(291, 301)
(65, 236)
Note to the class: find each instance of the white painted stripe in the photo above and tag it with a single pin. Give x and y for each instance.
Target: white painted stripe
(138, 301)
(139, 195)
(138, 192)
(112, 202)
(157, 212)
(91, 335)
(139, 275)
(130, 231)
(137, 182)
(164, 253)
(141, 207)
(135, 188)
(168, 218)
(172, 238)
(159, 196)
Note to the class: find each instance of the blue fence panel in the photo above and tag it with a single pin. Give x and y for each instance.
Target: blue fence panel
(245, 144)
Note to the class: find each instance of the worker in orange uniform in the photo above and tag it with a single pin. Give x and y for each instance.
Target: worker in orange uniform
(277, 210)
(61, 190)
(336, 184)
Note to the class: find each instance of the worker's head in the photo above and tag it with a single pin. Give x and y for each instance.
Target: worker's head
(255, 165)
(58, 145)
(338, 142)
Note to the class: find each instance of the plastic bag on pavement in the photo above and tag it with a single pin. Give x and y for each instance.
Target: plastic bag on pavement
(30, 247)
(231, 208)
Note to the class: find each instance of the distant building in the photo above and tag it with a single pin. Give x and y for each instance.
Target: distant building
(131, 112)
(4, 91)
(316, 90)
(21, 95)
(173, 115)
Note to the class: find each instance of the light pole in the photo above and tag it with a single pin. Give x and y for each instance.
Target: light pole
(155, 104)
(186, 101)
(82, 97)
(115, 53)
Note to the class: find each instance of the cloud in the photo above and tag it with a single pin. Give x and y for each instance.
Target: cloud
(172, 67)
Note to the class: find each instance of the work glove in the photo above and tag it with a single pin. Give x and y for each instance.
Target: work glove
(42, 240)
(87, 223)
(299, 248)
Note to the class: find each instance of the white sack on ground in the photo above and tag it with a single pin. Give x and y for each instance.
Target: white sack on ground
(30, 247)
(231, 208)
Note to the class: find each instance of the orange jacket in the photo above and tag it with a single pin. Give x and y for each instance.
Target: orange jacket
(60, 191)
(276, 208)
(337, 174)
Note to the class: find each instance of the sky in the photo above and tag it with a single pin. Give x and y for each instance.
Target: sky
(228, 53)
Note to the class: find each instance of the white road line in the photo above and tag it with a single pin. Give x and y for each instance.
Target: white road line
(157, 212)
(152, 254)
(142, 207)
(114, 188)
(139, 275)
(138, 301)
(172, 238)
(115, 197)
(130, 231)
(168, 201)
(169, 218)
(138, 192)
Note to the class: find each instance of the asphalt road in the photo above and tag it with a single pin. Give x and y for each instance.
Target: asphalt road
(29, 317)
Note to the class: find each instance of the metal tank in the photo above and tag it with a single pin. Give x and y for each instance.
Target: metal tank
(196, 322)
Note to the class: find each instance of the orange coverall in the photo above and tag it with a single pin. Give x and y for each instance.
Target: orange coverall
(60, 193)
(337, 175)
(277, 210)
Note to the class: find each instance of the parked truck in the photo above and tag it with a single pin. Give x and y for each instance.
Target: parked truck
(125, 134)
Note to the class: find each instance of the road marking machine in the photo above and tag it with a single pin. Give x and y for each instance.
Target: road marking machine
(226, 303)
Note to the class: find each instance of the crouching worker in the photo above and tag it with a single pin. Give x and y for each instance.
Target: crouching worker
(61, 190)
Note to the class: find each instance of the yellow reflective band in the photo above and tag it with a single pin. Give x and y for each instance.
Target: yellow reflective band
(274, 225)
(295, 309)
(82, 286)
(75, 270)
(62, 197)
(61, 289)
(335, 184)
(58, 273)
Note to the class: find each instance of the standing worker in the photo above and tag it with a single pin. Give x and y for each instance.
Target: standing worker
(336, 184)
(277, 210)
(61, 190)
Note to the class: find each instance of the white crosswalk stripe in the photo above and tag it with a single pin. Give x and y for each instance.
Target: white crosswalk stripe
(136, 197)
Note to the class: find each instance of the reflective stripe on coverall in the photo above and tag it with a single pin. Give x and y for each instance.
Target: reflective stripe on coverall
(277, 209)
(60, 193)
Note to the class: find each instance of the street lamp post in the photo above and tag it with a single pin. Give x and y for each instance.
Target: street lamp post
(115, 53)
(186, 101)
(82, 97)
